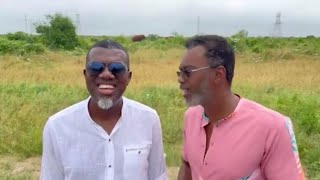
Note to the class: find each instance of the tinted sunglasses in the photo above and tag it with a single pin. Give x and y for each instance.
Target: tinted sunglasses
(116, 68)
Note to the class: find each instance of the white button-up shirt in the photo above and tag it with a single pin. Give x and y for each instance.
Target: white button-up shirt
(76, 148)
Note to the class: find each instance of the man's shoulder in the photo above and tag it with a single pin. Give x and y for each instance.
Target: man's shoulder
(137, 106)
(191, 114)
(254, 106)
(260, 113)
(69, 111)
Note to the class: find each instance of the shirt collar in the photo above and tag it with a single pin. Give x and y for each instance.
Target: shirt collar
(121, 120)
(205, 119)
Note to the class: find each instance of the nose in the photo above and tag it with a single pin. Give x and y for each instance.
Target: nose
(106, 74)
(180, 78)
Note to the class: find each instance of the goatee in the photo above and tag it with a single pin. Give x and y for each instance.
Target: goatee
(105, 103)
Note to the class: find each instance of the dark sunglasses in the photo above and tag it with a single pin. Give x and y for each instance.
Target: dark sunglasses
(116, 68)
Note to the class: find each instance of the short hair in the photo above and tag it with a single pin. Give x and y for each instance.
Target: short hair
(108, 44)
(218, 52)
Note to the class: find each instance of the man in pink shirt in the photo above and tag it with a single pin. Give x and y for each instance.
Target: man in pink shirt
(228, 137)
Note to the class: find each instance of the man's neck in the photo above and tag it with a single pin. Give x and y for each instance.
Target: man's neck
(104, 115)
(221, 107)
(107, 119)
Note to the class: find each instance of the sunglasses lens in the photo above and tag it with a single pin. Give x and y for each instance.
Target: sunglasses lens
(183, 73)
(95, 67)
(116, 67)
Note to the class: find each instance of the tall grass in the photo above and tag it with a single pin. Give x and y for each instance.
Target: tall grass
(34, 87)
(25, 108)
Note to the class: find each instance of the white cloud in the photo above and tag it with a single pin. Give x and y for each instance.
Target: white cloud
(167, 16)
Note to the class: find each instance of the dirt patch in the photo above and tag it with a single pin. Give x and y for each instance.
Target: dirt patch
(28, 165)
(172, 172)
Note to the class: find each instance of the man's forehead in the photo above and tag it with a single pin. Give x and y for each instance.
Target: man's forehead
(105, 53)
(193, 56)
(196, 51)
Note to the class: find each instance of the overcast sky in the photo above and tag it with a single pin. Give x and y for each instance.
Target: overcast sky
(163, 17)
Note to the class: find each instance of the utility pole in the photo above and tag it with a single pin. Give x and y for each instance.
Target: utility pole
(277, 29)
(198, 25)
(78, 22)
(26, 23)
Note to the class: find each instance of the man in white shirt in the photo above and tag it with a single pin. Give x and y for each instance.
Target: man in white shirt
(107, 136)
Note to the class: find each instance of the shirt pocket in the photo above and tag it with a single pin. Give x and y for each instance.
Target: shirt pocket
(136, 161)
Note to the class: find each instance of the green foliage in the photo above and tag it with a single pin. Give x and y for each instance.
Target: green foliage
(263, 48)
(19, 47)
(241, 34)
(302, 110)
(84, 44)
(170, 106)
(151, 42)
(25, 110)
(60, 33)
(153, 37)
(238, 41)
(267, 48)
(20, 36)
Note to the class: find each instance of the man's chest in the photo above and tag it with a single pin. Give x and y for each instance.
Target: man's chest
(229, 155)
(106, 157)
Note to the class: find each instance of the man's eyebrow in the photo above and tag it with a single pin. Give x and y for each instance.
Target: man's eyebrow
(187, 67)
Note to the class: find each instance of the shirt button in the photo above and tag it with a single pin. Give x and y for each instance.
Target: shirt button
(109, 166)
(206, 163)
(109, 140)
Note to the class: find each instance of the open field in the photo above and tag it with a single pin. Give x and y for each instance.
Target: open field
(36, 86)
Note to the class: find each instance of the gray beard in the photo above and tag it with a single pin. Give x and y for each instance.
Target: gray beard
(105, 103)
(198, 97)
(194, 100)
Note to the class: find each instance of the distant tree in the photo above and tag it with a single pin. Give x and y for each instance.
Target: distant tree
(241, 34)
(153, 37)
(310, 37)
(238, 40)
(58, 33)
(18, 36)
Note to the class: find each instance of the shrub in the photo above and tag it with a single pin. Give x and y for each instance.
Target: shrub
(60, 33)
(19, 47)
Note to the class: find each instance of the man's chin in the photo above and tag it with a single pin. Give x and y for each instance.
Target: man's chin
(105, 103)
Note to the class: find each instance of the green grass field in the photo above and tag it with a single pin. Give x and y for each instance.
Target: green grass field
(34, 87)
